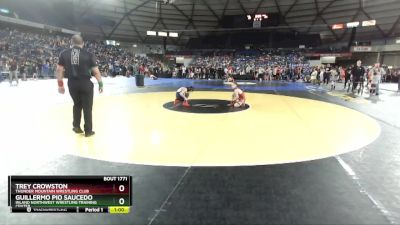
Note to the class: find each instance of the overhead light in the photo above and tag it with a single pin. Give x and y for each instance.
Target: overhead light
(352, 24)
(4, 10)
(173, 34)
(151, 33)
(397, 41)
(369, 23)
(337, 26)
(134, 45)
(162, 34)
(110, 42)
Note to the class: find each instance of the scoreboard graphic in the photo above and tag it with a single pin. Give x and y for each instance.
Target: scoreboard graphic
(70, 194)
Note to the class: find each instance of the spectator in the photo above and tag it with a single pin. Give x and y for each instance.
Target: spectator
(40, 51)
(376, 73)
(22, 71)
(314, 76)
(13, 71)
(398, 82)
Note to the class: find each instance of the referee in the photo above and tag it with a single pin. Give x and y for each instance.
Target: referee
(79, 65)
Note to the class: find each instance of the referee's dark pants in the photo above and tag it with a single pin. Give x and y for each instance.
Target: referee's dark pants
(81, 92)
(326, 79)
(356, 82)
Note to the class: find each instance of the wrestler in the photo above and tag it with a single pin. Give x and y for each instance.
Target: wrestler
(238, 97)
(182, 96)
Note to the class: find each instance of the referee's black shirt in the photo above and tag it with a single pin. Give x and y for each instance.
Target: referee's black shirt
(78, 63)
(358, 72)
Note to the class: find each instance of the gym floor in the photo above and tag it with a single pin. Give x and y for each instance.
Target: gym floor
(298, 154)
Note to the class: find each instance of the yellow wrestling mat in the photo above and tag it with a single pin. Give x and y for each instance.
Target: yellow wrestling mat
(135, 128)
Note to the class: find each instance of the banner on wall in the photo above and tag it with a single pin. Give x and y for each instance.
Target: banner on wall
(362, 48)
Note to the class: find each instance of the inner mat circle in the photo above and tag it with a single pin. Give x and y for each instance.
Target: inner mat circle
(135, 128)
(205, 106)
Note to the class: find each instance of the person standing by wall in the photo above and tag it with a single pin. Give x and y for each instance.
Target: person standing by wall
(376, 73)
(314, 76)
(34, 71)
(22, 71)
(321, 75)
(13, 71)
(45, 69)
(347, 76)
(327, 74)
(334, 78)
(398, 81)
(342, 73)
(39, 65)
(358, 72)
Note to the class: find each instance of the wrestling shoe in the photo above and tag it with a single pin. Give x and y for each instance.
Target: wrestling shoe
(77, 130)
(186, 104)
(88, 134)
